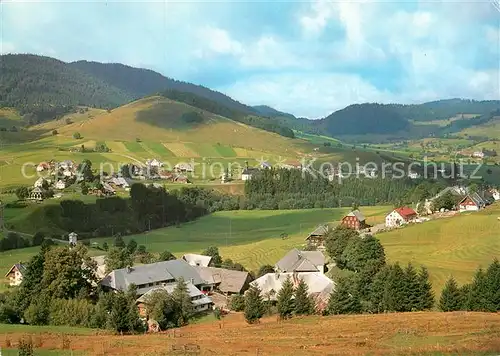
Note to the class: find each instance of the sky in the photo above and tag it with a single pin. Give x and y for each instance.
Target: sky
(308, 58)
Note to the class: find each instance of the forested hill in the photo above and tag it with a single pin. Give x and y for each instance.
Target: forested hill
(361, 119)
(445, 109)
(46, 87)
(141, 82)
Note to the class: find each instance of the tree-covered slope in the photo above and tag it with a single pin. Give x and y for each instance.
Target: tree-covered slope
(142, 82)
(47, 87)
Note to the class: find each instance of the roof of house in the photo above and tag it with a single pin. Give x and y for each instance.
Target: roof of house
(321, 230)
(301, 261)
(476, 199)
(37, 190)
(197, 260)
(405, 212)
(169, 288)
(231, 281)
(19, 266)
(357, 214)
(271, 283)
(121, 279)
(183, 165)
(249, 171)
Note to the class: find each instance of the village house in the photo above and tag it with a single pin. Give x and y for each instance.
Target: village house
(478, 154)
(36, 194)
(154, 163)
(166, 175)
(354, 220)
(43, 166)
(400, 216)
(153, 275)
(73, 238)
(15, 274)
(472, 202)
(301, 261)
(183, 168)
(197, 260)
(495, 193)
(265, 165)
(60, 184)
(413, 175)
(291, 164)
(225, 281)
(317, 237)
(248, 173)
(119, 182)
(319, 286)
(200, 301)
(40, 182)
(66, 165)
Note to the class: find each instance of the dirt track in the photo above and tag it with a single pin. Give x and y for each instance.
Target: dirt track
(389, 334)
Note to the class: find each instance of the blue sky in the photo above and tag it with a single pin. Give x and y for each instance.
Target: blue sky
(307, 58)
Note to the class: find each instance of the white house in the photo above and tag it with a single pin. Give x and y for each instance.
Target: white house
(247, 174)
(413, 175)
(197, 260)
(39, 183)
(68, 173)
(154, 163)
(66, 165)
(495, 193)
(15, 274)
(400, 216)
(60, 184)
(478, 154)
(183, 167)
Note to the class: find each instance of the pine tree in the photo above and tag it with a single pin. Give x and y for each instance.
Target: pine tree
(285, 299)
(493, 285)
(254, 305)
(119, 317)
(394, 297)
(426, 295)
(412, 289)
(479, 294)
(183, 304)
(343, 300)
(304, 305)
(451, 299)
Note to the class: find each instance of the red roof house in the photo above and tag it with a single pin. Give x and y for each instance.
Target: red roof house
(400, 216)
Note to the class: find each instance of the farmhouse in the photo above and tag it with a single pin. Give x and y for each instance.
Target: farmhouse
(181, 178)
(248, 173)
(301, 261)
(15, 274)
(154, 163)
(320, 286)
(317, 237)
(66, 165)
(119, 182)
(149, 276)
(413, 175)
(354, 220)
(265, 165)
(40, 182)
(197, 260)
(36, 194)
(495, 193)
(224, 280)
(42, 166)
(400, 216)
(200, 301)
(60, 184)
(478, 154)
(472, 202)
(183, 167)
(291, 164)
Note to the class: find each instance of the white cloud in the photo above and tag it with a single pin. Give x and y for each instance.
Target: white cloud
(7, 47)
(216, 41)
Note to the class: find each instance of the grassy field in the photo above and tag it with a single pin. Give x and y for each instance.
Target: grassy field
(463, 334)
(452, 246)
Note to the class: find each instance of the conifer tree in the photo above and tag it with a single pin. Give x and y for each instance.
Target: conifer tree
(412, 289)
(254, 305)
(478, 294)
(426, 295)
(304, 305)
(451, 299)
(493, 285)
(394, 297)
(285, 299)
(183, 304)
(343, 300)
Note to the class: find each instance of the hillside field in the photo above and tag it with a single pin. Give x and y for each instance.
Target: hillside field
(449, 246)
(424, 333)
